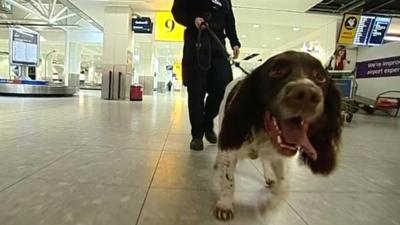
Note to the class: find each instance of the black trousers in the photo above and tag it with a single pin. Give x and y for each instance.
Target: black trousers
(206, 88)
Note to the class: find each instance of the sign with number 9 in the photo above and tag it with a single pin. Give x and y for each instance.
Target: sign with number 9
(167, 29)
(170, 25)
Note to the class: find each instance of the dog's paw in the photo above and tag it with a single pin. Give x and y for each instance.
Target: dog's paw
(223, 212)
(269, 182)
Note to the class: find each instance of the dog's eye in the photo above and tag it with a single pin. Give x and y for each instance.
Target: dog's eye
(320, 78)
(279, 73)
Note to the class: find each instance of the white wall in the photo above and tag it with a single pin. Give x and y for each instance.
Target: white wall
(146, 59)
(4, 67)
(371, 87)
(325, 35)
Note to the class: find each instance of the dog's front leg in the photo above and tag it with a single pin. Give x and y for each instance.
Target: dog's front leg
(226, 167)
(279, 169)
(268, 174)
(280, 187)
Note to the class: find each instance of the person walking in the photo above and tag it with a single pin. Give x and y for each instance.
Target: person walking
(205, 67)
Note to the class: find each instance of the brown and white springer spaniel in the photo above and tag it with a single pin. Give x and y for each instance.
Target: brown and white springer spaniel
(285, 106)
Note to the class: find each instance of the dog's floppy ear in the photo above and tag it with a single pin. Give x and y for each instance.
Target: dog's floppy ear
(325, 134)
(241, 113)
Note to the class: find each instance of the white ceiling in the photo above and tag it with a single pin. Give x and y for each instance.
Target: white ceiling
(93, 7)
(262, 25)
(275, 19)
(288, 5)
(273, 12)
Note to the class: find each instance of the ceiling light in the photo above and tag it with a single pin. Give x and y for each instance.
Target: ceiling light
(256, 25)
(296, 29)
(244, 36)
(277, 38)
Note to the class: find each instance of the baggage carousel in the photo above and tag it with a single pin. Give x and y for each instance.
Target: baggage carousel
(32, 90)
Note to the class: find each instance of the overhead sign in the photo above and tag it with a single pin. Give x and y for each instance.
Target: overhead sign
(167, 29)
(363, 29)
(24, 47)
(348, 29)
(142, 25)
(379, 30)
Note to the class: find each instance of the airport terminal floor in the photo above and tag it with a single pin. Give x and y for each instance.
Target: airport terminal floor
(83, 160)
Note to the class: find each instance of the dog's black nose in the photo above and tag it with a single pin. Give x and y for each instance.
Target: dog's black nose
(303, 94)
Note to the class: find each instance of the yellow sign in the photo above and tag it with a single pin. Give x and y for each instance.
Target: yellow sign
(349, 28)
(178, 70)
(167, 29)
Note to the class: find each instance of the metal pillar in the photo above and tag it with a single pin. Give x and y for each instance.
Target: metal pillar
(67, 57)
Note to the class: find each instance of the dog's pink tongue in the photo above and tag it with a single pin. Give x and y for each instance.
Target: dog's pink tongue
(296, 134)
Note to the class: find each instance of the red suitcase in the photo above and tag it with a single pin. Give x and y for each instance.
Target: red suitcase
(136, 92)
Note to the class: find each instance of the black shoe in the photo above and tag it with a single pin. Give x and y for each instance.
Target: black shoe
(196, 144)
(211, 137)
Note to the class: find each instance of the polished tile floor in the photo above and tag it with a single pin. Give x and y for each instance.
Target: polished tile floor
(86, 161)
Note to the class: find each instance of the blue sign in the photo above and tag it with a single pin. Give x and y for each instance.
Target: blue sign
(378, 32)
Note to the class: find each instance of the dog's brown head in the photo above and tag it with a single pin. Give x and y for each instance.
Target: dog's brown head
(291, 98)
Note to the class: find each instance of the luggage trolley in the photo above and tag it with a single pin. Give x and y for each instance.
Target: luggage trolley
(346, 82)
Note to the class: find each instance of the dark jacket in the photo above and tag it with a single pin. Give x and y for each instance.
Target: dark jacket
(222, 19)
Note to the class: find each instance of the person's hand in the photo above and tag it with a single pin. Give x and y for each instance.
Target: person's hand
(236, 52)
(199, 22)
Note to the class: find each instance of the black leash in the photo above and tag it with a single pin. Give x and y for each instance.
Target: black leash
(198, 48)
(237, 64)
(220, 45)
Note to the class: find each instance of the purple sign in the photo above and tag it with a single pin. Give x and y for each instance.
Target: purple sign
(387, 67)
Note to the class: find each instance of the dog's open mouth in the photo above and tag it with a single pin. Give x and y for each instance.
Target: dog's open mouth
(290, 135)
